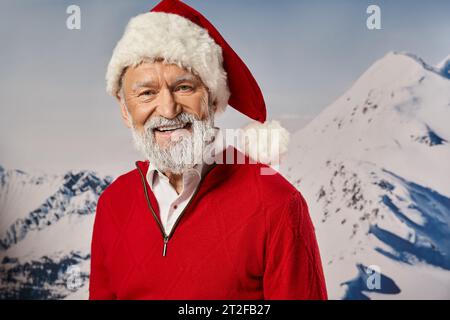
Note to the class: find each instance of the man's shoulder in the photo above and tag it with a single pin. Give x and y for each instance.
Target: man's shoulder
(121, 187)
(279, 198)
(256, 174)
(269, 179)
(269, 184)
(275, 195)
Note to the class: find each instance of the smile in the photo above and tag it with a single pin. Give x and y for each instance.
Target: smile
(173, 127)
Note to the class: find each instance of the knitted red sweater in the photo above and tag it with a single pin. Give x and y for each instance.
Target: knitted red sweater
(242, 236)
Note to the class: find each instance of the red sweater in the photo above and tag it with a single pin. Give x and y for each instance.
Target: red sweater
(243, 235)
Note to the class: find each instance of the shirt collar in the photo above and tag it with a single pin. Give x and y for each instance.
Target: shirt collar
(198, 170)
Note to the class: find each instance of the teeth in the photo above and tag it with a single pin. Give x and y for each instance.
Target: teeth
(170, 128)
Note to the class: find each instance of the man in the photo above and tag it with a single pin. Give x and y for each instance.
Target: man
(187, 223)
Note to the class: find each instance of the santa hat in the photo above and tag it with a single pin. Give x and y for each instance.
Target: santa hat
(179, 34)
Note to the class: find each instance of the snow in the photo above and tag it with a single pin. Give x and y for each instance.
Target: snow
(71, 233)
(373, 167)
(377, 159)
(51, 232)
(20, 193)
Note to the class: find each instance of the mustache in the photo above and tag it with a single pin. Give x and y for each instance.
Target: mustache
(181, 119)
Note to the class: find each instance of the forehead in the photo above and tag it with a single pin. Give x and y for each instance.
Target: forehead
(156, 71)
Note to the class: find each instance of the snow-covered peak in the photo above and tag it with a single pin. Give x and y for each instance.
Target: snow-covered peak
(393, 69)
(396, 91)
(33, 202)
(373, 167)
(45, 228)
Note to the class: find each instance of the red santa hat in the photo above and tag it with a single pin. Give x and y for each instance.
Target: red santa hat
(179, 34)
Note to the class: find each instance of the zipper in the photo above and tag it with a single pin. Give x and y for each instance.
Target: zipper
(166, 237)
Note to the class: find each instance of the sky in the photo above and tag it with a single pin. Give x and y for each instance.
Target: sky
(56, 115)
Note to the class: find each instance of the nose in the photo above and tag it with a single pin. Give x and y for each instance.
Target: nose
(168, 107)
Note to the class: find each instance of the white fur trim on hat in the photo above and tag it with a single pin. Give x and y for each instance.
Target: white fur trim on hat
(177, 40)
(264, 142)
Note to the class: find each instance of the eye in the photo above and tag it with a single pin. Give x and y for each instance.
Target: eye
(184, 88)
(147, 93)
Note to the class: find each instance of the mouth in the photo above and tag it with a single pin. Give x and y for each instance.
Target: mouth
(167, 131)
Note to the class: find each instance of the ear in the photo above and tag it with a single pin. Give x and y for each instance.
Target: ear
(123, 110)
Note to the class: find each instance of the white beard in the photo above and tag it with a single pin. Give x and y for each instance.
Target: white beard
(181, 153)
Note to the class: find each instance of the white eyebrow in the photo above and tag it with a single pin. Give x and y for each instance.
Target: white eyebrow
(181, 78)
(186, 77)
(141, 84)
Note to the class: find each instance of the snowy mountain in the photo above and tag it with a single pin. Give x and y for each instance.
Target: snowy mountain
(45, 232)
(374, 167)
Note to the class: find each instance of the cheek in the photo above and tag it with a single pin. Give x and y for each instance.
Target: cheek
(140, 114)
(195, 104)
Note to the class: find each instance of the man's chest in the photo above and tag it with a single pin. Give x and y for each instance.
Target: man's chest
(215, 251)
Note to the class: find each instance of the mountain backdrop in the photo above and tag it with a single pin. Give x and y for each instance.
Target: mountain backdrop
(374, 167)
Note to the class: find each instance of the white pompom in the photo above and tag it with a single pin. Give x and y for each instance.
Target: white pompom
(265, 143)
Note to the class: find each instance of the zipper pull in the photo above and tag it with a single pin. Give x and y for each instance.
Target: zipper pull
(166, 239)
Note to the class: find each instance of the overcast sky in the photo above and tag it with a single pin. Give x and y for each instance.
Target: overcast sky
(55, 114)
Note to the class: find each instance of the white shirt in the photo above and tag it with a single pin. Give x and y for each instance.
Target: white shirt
(170, 203)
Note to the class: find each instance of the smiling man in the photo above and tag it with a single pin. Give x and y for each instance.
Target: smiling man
(188, 223)
(170, 114)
